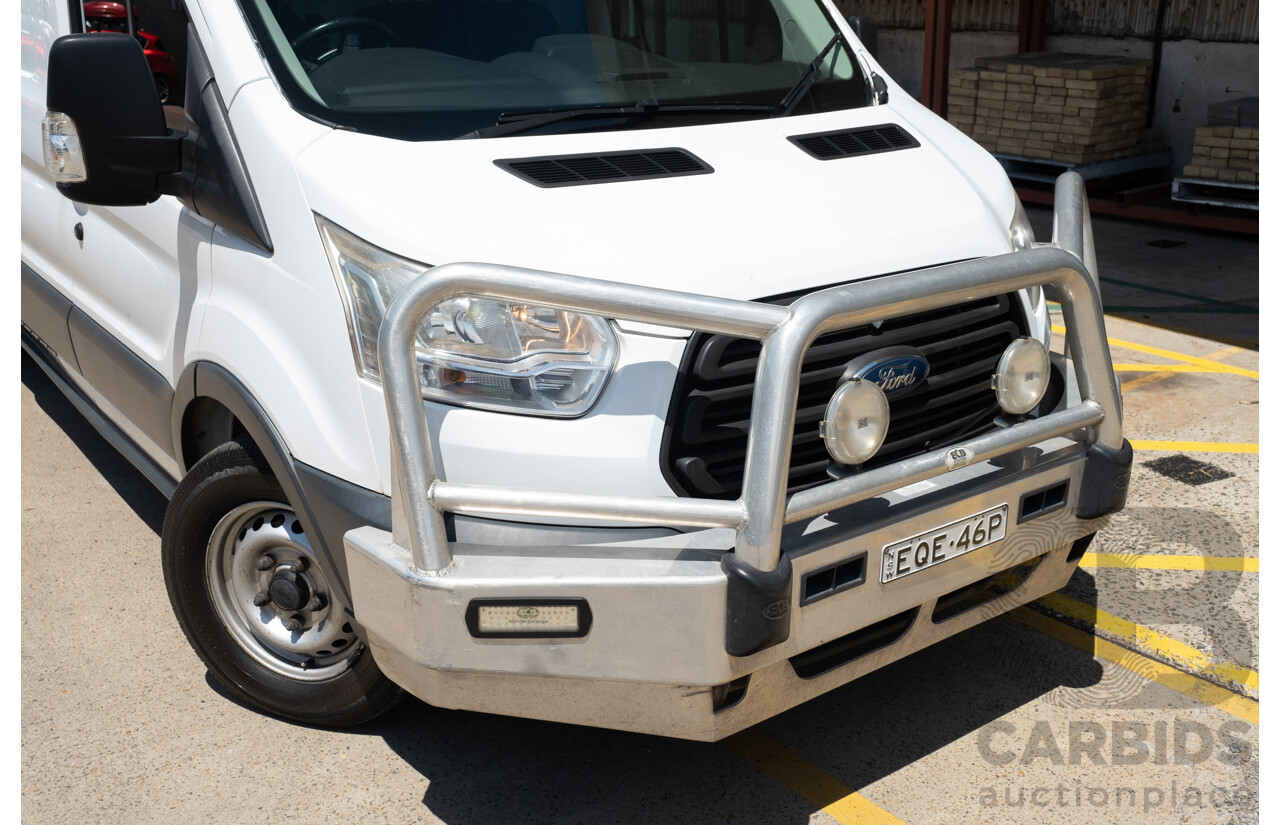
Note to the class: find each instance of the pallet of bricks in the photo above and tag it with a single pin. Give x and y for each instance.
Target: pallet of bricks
(1226, 150)
(1070, 108)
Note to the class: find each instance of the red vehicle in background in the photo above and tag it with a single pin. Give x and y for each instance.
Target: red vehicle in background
(107, 16)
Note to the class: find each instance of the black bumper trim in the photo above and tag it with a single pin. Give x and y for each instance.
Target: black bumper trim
(757, 606)
(1105, 485)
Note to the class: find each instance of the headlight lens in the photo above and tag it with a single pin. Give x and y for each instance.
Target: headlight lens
(475, 351)
(1022, 238)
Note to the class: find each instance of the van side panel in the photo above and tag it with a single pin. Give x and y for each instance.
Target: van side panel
(133, 387)
(45, 310)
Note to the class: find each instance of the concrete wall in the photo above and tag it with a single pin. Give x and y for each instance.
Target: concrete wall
(1192, 74)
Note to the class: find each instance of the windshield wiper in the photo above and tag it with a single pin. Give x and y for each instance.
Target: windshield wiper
(810, 77)
(511, 123)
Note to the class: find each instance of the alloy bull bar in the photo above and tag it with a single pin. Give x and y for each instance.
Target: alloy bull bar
(1067, 266)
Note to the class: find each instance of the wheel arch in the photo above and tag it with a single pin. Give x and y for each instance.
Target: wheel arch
(211, 406)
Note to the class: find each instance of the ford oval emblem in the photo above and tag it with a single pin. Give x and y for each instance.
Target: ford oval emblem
(777, 610)
(897, 371)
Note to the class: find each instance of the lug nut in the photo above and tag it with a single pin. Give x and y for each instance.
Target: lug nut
(262, 599)
(293, 624)
(266, 563)
(300, 564)
(318, 602)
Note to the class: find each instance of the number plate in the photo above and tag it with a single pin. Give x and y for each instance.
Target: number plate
(902, 558)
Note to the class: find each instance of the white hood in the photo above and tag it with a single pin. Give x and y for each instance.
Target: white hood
(769, 220)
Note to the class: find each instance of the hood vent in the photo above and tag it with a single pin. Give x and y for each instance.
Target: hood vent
(849, 143)
(576, 170)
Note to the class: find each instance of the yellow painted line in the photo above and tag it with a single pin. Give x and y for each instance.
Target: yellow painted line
(1134, 561)
(1202, 691)
(830, 794)
(1164, 376)
(1209, 365)
(1157, 644)
(1212, 366)
(1195, 446)
(1162, 368)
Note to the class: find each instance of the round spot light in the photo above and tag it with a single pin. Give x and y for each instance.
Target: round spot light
(855, 422)
(1022, 376)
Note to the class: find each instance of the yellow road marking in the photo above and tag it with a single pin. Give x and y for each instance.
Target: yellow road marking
(1213, 366)
(1209, 364)
(830, 794)
(1164, 376)
(1184, 683)
(1161, 368)
(1144, 638)
(1195, 446)
(1135, 561)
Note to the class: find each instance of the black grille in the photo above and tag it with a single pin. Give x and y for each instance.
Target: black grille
(575, 170)
(705, 443)
(848, 143)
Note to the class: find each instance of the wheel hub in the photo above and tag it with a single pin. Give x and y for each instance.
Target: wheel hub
(274, 598)
(289, 592)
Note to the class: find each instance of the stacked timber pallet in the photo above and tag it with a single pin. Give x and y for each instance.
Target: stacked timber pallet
(1070, 108)
(1224, 153)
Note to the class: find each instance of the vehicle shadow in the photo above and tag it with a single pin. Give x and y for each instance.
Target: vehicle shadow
(484, 768)
(132, 486)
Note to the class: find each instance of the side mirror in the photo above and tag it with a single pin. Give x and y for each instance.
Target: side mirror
(105, 138)
(865, 27)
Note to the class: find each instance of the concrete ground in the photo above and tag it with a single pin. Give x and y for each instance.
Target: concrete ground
(1125, 698)
(1199, 282)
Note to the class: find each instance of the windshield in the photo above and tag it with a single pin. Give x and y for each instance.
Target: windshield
(441, 69)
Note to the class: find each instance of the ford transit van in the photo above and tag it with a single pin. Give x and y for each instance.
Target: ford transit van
(649, 364)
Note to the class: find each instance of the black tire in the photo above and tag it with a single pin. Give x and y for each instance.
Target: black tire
(227, 518)
(162, 88)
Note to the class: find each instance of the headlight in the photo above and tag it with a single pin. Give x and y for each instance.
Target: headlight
(475, 351)
(1022, 238)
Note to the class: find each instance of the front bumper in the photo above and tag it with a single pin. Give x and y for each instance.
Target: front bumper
(702, 634)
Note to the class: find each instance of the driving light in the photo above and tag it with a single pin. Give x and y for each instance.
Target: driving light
(855, 422)
(525, 618)
(1022, 376)
(63, 157)
(475, 351)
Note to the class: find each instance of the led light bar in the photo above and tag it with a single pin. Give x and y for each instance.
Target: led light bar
(528, 618)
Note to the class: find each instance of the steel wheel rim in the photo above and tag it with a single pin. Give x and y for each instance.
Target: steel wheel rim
(259, 548)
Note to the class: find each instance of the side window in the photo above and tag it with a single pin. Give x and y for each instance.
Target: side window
(160, 27)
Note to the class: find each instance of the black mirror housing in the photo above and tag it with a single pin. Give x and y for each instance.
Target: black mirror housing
(864, 26)
(101, 81)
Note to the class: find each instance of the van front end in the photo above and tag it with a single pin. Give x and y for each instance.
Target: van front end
(785, 591)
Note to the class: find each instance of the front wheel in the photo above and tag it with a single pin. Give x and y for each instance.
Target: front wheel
(258, 604)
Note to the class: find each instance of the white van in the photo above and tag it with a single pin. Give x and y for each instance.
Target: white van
(751, 395)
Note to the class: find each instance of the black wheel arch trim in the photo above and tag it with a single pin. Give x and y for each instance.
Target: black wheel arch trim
(310, 491)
